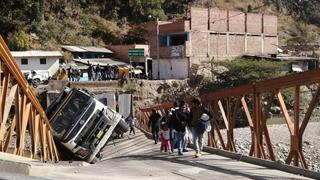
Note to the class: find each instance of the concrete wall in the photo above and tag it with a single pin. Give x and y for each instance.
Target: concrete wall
(172, 52)
(49, 69)
(170, 68)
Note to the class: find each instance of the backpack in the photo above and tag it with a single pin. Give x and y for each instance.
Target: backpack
(205, 125)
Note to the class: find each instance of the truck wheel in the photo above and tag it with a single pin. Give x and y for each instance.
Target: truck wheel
(122, 127)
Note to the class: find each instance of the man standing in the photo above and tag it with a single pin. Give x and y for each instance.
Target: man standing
(180, 119)
(198, 114)
(154, 123)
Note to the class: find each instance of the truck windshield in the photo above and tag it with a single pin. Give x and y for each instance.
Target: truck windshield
(69, 114)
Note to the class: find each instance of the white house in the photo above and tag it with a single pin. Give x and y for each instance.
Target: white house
(42, 62)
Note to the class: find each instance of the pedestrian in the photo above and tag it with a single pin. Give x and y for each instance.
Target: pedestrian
(200, 117)
(98, 72)
(108, 72)
(154, 123)
(166, 117)
(115, 72)
(131, 121)
(71, 74)
(166, 120)
(164, 135)
(93, 73)
(90, 69)
(179, 121)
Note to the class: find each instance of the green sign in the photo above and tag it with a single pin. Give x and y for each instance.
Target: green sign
(138, 52)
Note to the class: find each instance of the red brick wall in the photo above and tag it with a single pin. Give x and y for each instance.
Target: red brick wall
(236, 21)
(270, 24)
(151, 28)
(254, 45)
(199, 43)
(174, 27)
(254, 23)
(218, 20)
(121, 51)
(199, 19)
(218, 45)
(270, 45)
(236, 45)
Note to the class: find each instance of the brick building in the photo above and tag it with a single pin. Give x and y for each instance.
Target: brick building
(207, 34)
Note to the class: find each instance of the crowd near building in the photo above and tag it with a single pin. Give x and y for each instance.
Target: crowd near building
(174, 50)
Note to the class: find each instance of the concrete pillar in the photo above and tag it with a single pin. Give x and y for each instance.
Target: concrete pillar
(246, 43)
(208, 44)
(262, 44)
(190, 44)
(228, 49)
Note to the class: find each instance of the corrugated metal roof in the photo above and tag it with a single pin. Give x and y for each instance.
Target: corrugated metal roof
(86, 49)
(73, 49)
(36, 53)
(97, 49)
(101, 62)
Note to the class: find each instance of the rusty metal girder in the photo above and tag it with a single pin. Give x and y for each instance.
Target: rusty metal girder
(235, 98)
(28, 120)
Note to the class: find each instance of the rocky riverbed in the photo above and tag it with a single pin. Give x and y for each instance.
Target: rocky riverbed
(280, 138)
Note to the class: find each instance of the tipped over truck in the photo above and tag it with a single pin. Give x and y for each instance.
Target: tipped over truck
(82, 124)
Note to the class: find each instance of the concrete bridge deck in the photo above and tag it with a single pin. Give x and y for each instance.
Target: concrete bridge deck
(136, 157)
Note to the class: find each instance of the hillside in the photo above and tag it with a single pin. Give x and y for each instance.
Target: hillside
(45, 24)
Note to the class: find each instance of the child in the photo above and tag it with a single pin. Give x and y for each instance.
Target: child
(164, 136)
(131, 121)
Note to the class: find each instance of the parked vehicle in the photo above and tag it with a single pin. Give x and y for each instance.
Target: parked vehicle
(35, 78)
(82, 124)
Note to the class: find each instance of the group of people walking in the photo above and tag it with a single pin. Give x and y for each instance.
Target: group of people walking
(172, 128)
(102, 73)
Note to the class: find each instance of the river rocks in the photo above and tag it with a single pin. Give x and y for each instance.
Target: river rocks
(280, 139)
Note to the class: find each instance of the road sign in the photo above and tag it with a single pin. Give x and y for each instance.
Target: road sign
(137, 52)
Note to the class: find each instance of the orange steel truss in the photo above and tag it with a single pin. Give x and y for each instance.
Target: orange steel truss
(21, 114)
(262, 95)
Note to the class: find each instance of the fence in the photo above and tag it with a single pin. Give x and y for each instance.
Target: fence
(227, 104)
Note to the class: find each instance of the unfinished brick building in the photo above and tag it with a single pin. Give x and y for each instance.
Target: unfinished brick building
(212, 33)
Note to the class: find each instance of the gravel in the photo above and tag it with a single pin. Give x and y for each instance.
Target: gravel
(280, 139)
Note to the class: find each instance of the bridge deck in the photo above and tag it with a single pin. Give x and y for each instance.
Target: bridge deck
(136, 157)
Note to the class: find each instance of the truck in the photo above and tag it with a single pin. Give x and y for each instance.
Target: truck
(82, 124)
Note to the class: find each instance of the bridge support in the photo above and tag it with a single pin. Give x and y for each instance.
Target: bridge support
(21, 114)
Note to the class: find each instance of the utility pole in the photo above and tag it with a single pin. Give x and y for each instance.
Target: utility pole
(158, 48)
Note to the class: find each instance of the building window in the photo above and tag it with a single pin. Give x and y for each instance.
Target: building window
(178, 39)
(24, 61)
(43, 61)
(163, 41)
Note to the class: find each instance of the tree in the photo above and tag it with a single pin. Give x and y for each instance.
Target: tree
(239, 72)
(21, 40)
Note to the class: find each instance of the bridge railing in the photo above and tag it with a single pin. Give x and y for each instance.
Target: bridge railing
(255, 101)
(21, 115)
